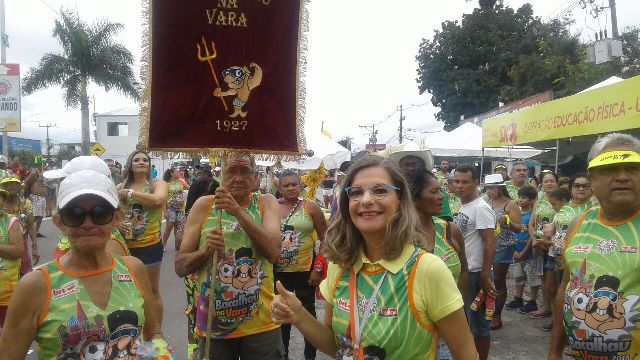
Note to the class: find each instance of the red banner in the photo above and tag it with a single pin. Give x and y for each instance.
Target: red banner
(224, 75)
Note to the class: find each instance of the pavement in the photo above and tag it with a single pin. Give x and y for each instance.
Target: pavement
(520, 338)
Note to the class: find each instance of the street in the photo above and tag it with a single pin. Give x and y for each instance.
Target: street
(520, 338)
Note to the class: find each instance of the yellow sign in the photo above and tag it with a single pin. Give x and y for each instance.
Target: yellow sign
(610, 108)
(97, 149)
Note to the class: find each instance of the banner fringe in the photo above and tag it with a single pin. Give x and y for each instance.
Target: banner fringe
(145, 98)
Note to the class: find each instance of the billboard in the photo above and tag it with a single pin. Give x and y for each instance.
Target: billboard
(610, 108)
(10, 97)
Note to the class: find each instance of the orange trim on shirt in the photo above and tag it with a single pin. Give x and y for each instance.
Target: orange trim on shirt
(209, 212)
(134, 277)
(615, 223)
(88, 273)
(47, 301)
(372, 272)
(446, 240)
(412, 304)
(573, 232)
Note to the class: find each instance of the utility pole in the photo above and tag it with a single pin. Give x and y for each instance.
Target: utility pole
(614, 19)
(400, 129)
(48, 143)
(373, 139)
(3, 60)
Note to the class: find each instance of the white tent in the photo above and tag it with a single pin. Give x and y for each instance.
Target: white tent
(325, 150)
(466, 141)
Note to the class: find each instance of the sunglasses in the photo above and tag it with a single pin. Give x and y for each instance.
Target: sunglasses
(130, 332)
(611, 295)
(356, 193)
(74, 216)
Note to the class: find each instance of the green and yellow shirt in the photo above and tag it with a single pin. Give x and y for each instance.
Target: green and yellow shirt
(73, 327)
(297, 242)
(244, 287)
(416, 290)
(601, 312)
(443, 248)
(9, 268)
(142, 223)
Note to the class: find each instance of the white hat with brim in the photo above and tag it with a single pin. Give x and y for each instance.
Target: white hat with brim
(79, 163)
(494, 180)
(217, 168)
(87, 182)
(412, 149)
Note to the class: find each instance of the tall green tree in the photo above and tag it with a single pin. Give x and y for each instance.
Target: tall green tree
(89, 54)
(496, 54)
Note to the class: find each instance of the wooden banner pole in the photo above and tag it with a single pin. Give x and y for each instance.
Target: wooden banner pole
(212, 282)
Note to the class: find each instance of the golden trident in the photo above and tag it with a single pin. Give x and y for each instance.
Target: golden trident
(209, 58)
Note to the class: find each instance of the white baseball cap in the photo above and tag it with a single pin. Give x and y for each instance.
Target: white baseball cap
(3, 159)
(93, 163)
(87, 182)
(217, 168)
(494, 180)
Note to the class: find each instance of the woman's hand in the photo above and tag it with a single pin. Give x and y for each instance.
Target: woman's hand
(122, 194)
(285, 306)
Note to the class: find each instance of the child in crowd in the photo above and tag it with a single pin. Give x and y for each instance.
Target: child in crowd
(524, 264)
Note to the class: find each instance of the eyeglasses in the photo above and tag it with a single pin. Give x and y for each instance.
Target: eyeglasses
(129, 331)
(356, 193)
(240, 173)
(581, 186)
(611, 295)
(74, 216)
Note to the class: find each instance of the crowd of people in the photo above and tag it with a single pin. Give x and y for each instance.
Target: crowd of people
(410, 263)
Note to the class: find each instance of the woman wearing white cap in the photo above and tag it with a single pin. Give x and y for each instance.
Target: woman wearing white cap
(116, 244)
(507, 222)
(88, 302)
(145, 199)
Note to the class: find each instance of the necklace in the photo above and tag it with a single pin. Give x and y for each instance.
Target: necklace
(295, 207)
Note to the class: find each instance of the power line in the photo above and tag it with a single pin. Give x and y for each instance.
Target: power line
(50, 8)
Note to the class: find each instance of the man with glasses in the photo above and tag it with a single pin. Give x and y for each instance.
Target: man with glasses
(596, 310)
(248, 245)
(477, 222)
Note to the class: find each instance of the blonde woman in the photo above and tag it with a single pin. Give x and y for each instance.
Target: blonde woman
(377, 259)
(144, 199)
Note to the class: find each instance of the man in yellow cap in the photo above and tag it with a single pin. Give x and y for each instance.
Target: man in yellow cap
(19, 206)
(597, 309)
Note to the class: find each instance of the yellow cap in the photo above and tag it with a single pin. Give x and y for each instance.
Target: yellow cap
(615, 157)
(10, 179)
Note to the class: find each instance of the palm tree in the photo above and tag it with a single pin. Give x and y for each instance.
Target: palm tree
(89, 54)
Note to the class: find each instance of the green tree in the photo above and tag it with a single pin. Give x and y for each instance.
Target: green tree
(630, 38)
(89, 53)
(495, 55)
(65, 154)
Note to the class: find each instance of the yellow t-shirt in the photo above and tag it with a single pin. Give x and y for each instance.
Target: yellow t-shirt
(434, 291)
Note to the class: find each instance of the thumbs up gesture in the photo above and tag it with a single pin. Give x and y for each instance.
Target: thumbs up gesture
(285, 306)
